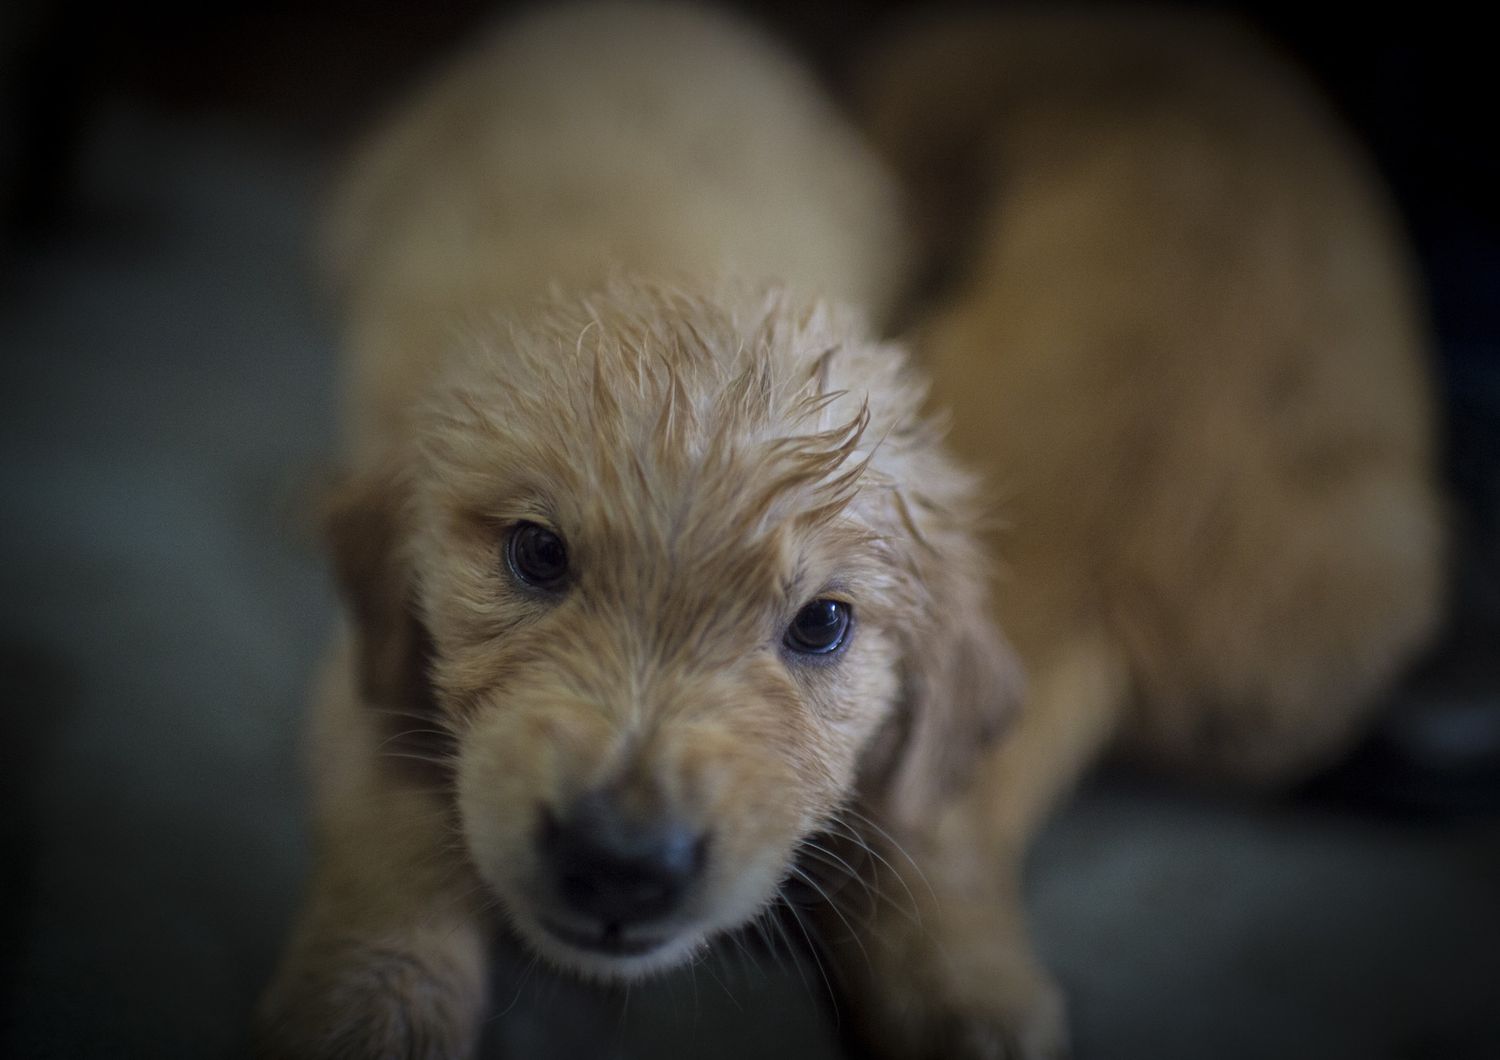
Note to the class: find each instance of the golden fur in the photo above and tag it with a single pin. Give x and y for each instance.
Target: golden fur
(1188, 349)
(1175, 324)
(585, 278)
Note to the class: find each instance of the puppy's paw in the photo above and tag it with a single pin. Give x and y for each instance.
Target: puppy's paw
(1035, 1030)
(958, 1003)
(372, 1002)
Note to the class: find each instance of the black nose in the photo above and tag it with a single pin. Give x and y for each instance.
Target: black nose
(616, 870)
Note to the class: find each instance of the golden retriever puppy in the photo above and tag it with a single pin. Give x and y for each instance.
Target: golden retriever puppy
(1174, 323)
(654, 564)
(664, 590)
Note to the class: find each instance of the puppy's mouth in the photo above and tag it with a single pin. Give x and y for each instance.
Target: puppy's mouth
(609, 939)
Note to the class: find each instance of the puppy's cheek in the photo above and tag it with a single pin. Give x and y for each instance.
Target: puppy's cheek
(859, 695)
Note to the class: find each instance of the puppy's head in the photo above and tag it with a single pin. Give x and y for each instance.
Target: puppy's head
(681, 580)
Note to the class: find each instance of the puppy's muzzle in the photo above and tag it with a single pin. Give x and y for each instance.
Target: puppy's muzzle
(615, 878)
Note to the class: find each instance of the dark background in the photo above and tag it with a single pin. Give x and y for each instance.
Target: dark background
(166, 408)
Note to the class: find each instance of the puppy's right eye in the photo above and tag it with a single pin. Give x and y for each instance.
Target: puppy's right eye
(820, 628)
(536, 556)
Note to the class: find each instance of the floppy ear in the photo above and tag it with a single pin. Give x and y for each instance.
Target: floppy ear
(365, 525)
(963, 683)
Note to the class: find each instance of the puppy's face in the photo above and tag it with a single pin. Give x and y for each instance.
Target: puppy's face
(667, 562)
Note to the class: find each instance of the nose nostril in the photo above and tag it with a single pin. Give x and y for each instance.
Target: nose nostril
(619, 871)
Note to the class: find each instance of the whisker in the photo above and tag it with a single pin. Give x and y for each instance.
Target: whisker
(817, 960)
(525, 977)
(405, 734)
(697, 1006)
(853, 935)
(812, 846)
(852, 834)
(779, 952)
(442, 794)
(873, 892)
(624, 1010)
(898, 847)
(827, 858)
(709, 968)
(429, 717)
(445, 762)
(744, 953)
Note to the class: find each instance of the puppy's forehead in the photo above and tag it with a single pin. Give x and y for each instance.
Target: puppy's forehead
(681, 422)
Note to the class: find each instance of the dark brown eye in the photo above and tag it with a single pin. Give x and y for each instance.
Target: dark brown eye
(537, 556)
(820, 628)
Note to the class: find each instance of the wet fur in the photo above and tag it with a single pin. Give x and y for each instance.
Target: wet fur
(662, 380)
(604, 313)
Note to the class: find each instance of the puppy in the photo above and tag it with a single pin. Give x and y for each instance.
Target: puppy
(662, 584)
(1170, 311)
(657, 571)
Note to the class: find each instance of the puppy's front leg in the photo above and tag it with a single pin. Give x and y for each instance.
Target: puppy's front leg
(389, 955)
(940, 963)
(361, 982)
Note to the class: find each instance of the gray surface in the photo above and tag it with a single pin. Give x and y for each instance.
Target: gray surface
(167, 402)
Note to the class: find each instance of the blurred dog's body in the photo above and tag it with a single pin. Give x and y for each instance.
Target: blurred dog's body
(1171, 313)
(1182, 345)
(1185, 342)
(668, 143)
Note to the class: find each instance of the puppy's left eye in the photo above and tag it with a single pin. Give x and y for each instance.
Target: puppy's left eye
(820, 628)
(537, 556)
